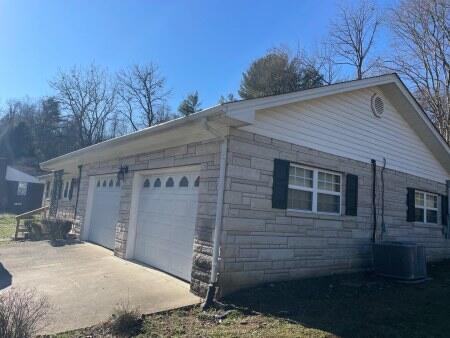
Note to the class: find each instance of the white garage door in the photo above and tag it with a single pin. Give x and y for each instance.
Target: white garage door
(166, 222)
(105, 211)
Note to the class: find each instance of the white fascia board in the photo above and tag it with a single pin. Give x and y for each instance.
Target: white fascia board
(422, 114)
(413, 113)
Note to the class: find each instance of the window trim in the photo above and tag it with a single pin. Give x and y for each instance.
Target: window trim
(315, 190)
(425, 208)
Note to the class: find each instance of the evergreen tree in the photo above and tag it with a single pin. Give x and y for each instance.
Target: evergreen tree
(277, 73)
(190, 105)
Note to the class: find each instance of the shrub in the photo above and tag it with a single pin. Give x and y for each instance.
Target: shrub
(22, 313)
(57, 228)
(125, 321)
(34, 230)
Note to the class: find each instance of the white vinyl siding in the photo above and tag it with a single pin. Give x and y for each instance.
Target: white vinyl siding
(344, 125)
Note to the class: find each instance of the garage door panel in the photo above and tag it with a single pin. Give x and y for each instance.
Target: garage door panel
(166, 224)
(105, 212)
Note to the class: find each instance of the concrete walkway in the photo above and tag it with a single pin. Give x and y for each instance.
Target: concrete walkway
(85, 282)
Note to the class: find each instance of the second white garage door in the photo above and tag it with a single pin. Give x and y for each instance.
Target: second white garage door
(166, 222)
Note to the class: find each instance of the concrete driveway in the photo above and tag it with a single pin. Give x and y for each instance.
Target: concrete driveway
(85, 282)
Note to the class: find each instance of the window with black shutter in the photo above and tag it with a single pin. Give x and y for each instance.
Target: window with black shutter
(72, 186)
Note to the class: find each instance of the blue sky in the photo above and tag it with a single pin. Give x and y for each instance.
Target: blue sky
(202, 45)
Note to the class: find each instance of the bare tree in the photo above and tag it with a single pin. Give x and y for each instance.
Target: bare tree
(421, 55)
(143, 96)
(321, 58)
(352, 35)
(327, 65)
(88, 97)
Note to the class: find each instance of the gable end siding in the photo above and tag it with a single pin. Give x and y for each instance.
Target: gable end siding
(344, 125)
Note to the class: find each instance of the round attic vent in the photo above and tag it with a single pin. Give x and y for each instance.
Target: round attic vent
(377, 105)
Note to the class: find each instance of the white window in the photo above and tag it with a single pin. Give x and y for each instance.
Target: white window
(426, 207)
(314, 190)
(22, 189)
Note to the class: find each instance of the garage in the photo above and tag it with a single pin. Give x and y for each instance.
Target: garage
(166, 218)
(105, 211)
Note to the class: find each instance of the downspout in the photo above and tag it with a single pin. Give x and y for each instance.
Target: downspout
(80, 167)
(383, 224)
(448, 209)
(218, 220)
(374, 206)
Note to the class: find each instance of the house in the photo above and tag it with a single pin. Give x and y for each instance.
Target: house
(19, 191)
(268, 189)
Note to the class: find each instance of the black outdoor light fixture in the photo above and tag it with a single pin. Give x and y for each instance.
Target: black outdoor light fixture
(122, 171)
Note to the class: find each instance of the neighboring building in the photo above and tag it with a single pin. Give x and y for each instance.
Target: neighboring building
(268, 189)
(19, 191)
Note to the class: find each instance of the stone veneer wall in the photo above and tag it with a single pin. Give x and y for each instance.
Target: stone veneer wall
(205, 154)
(66, 207)
(261, 244)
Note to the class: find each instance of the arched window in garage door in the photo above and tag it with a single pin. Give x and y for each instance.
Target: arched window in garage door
(147, 183)
(184, 183)
(169, 182)
(157, 183)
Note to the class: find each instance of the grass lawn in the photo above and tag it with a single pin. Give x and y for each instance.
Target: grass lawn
(353, 305)
(7, 226)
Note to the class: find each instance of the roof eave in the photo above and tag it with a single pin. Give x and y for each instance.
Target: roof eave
(207, 113)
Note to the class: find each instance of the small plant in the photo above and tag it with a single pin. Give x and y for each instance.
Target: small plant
(34, 230)
(22, 313)
(125, 321)
(57, 229)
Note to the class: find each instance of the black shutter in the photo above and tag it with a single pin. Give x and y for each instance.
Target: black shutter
(351, 195)
(280, 184)
(411, 203)
(444, 209)
(72, 185)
